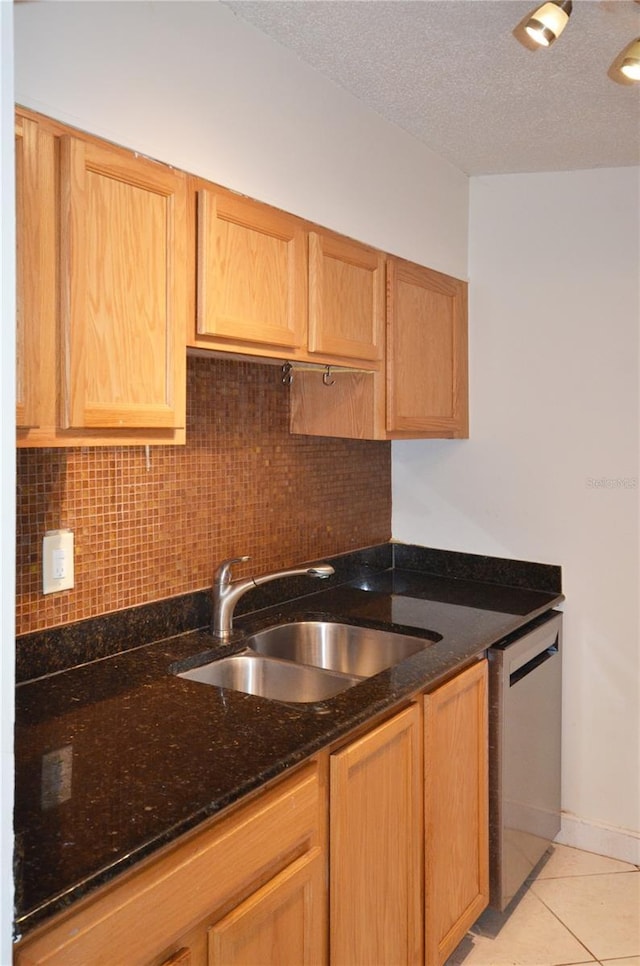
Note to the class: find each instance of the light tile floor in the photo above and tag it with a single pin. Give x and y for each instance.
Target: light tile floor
(579, 908)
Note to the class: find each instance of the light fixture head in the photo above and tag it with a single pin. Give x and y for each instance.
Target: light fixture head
(630, 64)
(547, 22)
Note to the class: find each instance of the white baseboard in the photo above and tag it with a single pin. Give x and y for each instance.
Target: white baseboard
(616, 843)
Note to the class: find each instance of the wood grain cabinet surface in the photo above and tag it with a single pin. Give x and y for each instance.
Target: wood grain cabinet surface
(376, 846)
(251, 273)
(456, 810)
(422, 391)
(272, 285)
(101, 291)
(346, 299)
(250, 889)
(29, 153)
(116, 253)
(427, 379)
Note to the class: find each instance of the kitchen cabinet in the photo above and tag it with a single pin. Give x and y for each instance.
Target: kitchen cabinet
(456, 810)
(101, 293)
(346, 298)
(27, 159)
(279, 924)
(423, 391)
(250, 888)
(376, 845)
(251, 273)
(427, 380)
(406, 809)
(271, 285)
(116, 251)
(398, 841)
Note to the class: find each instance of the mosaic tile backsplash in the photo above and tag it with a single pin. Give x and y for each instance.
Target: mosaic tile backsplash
(241, 485)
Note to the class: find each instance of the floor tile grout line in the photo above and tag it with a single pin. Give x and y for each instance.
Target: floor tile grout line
(580, 875)
(570, 931)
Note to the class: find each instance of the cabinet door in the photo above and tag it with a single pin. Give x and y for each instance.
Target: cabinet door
(281, 925)
(456, 810)
(427, 366)
(30, 255)
(123, 289)
(346, 298)
(376, 846)
(252, 272)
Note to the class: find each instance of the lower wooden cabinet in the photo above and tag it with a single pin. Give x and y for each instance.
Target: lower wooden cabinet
(408, 861)
(250, 889)
(376, 846)
(279, 924)
(456, 810)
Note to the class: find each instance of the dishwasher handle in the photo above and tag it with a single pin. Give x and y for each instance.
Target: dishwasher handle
(534, 663)
(517, 656)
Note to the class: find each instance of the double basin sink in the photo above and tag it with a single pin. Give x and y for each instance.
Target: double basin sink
(308, 661)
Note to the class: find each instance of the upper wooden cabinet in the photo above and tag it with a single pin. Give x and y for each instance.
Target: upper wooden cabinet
(116, 252)
(102, 289)
(122, 251)
(346, 298)
(31, 249)
(427, 379)
(251, 272)
(422, 392)
(270, 284)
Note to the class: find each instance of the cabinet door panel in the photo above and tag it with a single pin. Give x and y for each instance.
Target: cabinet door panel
(376, 846)
(30, 267)
(251, 272)
(123, 231)
(281, 925)
(427, 351)
(456, 810)
(346, 298)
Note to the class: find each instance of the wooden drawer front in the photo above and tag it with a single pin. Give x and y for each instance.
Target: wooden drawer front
(135, 921)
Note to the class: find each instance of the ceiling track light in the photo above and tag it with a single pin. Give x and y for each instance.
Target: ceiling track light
(547, 22)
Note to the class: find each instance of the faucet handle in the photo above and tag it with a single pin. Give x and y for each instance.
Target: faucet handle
(223, 573)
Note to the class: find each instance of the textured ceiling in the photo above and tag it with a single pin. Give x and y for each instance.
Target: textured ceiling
(453, 74)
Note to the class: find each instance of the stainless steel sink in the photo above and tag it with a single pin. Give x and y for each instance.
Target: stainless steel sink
(348, 648)
(270, 678)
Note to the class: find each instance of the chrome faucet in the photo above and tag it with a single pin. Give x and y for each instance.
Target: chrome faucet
(225, 592)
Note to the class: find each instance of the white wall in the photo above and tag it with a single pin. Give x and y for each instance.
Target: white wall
(7, 475)
(554, 264)
(190, 84)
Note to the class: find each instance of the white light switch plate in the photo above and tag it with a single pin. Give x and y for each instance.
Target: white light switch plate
(57, 561)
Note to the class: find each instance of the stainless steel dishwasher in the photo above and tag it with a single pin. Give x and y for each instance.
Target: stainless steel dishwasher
(525, 701)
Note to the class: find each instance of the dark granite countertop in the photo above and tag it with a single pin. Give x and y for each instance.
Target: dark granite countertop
(117, 757)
